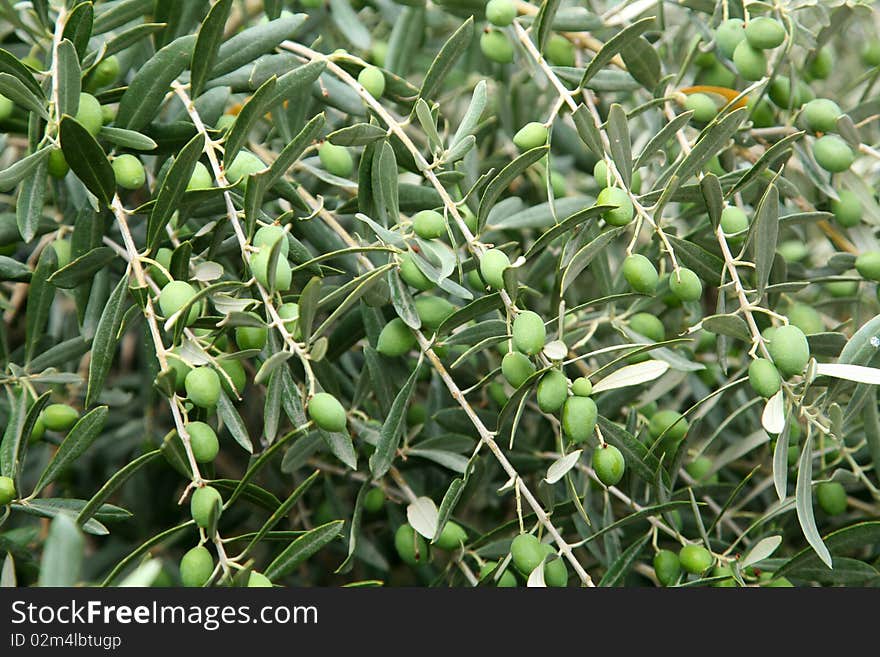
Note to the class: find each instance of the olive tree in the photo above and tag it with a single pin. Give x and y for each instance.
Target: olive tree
(453, 293)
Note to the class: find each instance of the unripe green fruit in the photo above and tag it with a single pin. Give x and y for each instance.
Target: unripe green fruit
(492, 266)
(38, 431)
(667, 567)
(871, 53)
(497, 393)
(373, 80)
(57, 164)
(529, 334)
(500, 12)
(557, 183)
(516, 368)
(555, 571)
(620, 215)
(717, 75)
(789, 350)
(267, 236)
(609, 464)
(260, 268)
(496, 47)
(600, 174)
(416, 414)
(806, 318)
(847, 209)
(196, 567)
(764, 377)
(868, 265)
(258, 580)
(452, 537)
(202, 386)
(780, 582)
(203, 501)
(59, 417)
(181, 369)
(108, 114)
(552, 391)
(695, 559)
(729, 35)
(722, 571)
(129, 172)
(581, 387)
(233, 368)
(106, 72)
(429, 224)
(527, 553)
(327, 412)
(6, 107)
(531, 135)
(822, 64)
(251, 337)
(765, 33)
(7, 490)
(412, 275)
(780, 93)
(175, 295)
(762, 115)
(685, 285)
(703, 106)
(62, 252)
(700, 468)
(559, 51)
(832, 497)
(433, 310)
(244, 164)
(793, 250)
(289, 312)
(374, 500)
(833, 154)
(649, 326)
(225, 123)
(668, 423)
(200, 179)
(750, 62)
(841, 289)
(203, 441)
(507, 579)
(395, 339)
(821, 115)
(579, 415)
(640, 273)
(89, 113)
(336, 159)
(410, 545)
(734, 222)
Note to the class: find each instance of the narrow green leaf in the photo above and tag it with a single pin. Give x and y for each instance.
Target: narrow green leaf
(613, 46)
(543, 25)
(87, 160)
(586, 254)
(392, 427)
(10, 64)
(106, 338)
(503, 178)
(78, 27)
(766, 232)
(618, 570)
(69, 79)
(83, 268)
(642, 62)
(173, 187)
(78, 440)
(384, 177)
(208, 42)
(447, 505)
(303, 548)
(804, 503)
(445, 61)
(587, 129)
(39, 301)
(112, 484)
(63, 553)
(249, 44)
(282, 511)
(252, 111)
(619, 143)
(21, 169)
(127, 138)
(16, 91)
(346, 19)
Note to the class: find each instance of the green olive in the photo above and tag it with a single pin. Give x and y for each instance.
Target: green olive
(267, 236)
(196, 567)
(62, 252)
(609, 464)
(500, 12)
(89, 113)
(764, 377)
(200, 179)
(507, 579)
(833, 154)
(640, 273)
(201, 505)
(374, 500)
(202, 386)
(620, 215)
(789, 350)
(765, 33)
(57, 164)
(530, 136)
(59, 417)
(203, 441)
(258, 580)
(7, 490)
(251, 337)
(129, 172)
(700, 468)
(492, 266)
(336, 159)
(452, 537)
(432, 310)
(396, 339)
(729, 35)
(868, 266)
(516, 368)
(496, 47)
(555, 570)
(559, 51)
(703, 107)
(649, 326)
(821, 115)
(106, 72)
(326, 411)
(685, 284)
(695, 559)
(667, 567)
(871, 53)
(670, 424)
(579, 415)
(412, 275)
(750, 62)
(847, 208)
(373, 80)
(552, 391)
(529, 333)
(429, 224)
(527, 553)
(260, 268)
(832, 497)
(581, 387)
(410, 545)
(734, 223)
(806, 318)
(233, 369)
(6, 107)
(175, 295)
(244, 164)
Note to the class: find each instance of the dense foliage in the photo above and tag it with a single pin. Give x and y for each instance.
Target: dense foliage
(439, 293)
